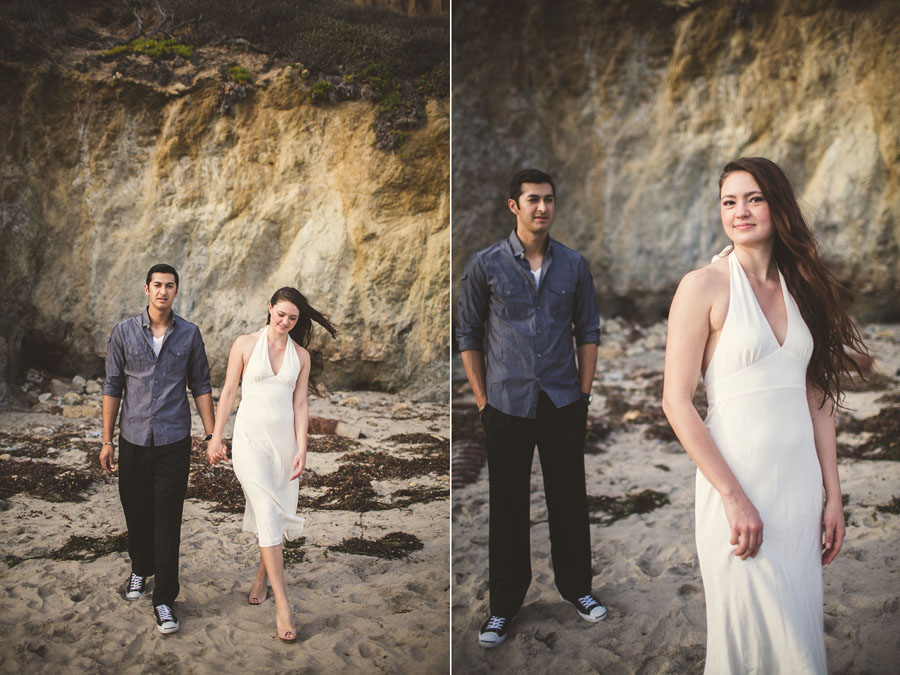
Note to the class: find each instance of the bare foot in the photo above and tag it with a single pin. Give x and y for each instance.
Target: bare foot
(288, 633)
(259, 592)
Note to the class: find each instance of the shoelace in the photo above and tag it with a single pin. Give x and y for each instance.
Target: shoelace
(495, 623)
(165, 614)
(587, 601)
(136, 582)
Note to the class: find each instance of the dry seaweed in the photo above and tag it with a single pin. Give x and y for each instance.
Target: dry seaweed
(293, 552)
(868, 382)
(617, 508)
(391, 546)
(51, 482)
(884, 435)
(331, 444)
(80, 548)
(892, 506)
(217, 484)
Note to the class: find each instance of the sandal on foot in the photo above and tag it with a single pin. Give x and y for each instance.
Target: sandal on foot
(256, 600)
(289, 635)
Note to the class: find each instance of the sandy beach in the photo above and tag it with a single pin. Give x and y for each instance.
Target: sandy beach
(644, 563)
(354, 612)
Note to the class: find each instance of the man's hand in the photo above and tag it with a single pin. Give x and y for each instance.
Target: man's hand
(106, 457)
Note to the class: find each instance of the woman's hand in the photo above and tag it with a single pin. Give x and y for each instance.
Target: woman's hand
(746, 526)
(834, 530)
(299, 465)
(215, 451)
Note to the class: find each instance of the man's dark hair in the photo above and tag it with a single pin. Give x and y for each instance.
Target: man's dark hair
(528, 176)
(162, 268)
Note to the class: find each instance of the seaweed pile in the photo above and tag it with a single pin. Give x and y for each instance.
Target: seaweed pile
(46, 480)
(883, 439)
(80, 548)
(617, 508)
(392, 546)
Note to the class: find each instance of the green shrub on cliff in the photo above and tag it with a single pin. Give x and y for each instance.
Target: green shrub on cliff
(320, 90)
(239, 74)
(156, 49)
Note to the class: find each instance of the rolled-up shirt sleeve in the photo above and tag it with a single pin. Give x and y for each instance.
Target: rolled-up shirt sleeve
(198, 367)
(473, 306)
(586, 317)
(114, 382)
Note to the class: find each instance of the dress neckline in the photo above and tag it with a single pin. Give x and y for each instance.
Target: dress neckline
(784, 299)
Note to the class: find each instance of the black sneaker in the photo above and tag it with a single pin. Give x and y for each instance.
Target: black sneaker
(589, 608)
(166, 622)
(137, 586)
(493, 631)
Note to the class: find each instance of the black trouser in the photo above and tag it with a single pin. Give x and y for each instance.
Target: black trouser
(559, 435)
(152, 485)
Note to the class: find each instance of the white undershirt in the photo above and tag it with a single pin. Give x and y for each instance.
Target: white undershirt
(537, 277)
(157, 343)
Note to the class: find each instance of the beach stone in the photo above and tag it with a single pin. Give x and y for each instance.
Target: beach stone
(5, 455)
(610, 351)
(81, 411)
(60, 387)
(93, 387)
(45, 396)
(79, 382)
(71, 398)
(347, 430)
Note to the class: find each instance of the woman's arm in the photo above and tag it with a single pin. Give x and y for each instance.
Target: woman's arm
(826, 449)
(688, 333)
(215, 450)
(301, 411)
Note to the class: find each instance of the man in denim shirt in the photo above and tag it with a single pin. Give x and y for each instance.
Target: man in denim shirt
(150, 358)
(524, 301)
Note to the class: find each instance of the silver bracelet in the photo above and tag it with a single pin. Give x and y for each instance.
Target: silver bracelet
(108, 443)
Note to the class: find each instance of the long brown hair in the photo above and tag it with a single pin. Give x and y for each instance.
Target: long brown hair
(811, 283)
(302, 330)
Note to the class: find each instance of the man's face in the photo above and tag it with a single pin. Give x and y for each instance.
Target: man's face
(534, 209)
(161, 291)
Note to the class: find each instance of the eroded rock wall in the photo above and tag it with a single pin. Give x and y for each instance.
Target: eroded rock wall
(102, 179)
(634, 107)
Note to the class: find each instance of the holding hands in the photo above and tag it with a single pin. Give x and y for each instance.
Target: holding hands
(215, 450)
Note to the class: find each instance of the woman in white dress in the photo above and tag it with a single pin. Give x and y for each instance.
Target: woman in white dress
(270, 432)
(764, 326)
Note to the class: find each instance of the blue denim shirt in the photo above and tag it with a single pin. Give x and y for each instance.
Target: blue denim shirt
(155, 409)
(526, 332)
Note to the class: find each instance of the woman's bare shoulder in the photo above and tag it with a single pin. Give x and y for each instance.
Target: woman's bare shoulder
(302, 353)
(706, 282)
(242, 342)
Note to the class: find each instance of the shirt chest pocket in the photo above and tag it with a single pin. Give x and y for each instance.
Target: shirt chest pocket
(176, 362)
(511, 300)
(137, 358)
(562, 299)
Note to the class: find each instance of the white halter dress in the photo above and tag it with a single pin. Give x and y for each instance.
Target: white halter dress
(265, 444)
(764, 614)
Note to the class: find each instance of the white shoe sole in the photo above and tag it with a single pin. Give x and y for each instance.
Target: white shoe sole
(586, 618)
(165, 630)
(490, 644)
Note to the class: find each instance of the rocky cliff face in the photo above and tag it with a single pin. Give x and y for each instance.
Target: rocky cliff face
(635, 106)
(101, 178)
